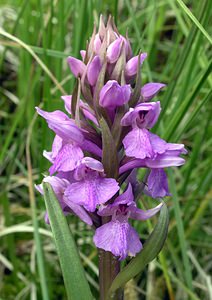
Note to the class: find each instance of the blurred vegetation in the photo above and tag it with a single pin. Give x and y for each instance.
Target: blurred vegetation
(36, 36)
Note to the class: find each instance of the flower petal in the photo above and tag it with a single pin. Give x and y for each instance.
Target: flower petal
(97, 43)
(112, 94)
(93, 164)
(83, 54)
(114, 50)
(151, 89)
(144, 115)
(159, 146)
(67, 158)
(91, 147)
(93, 70)
(180, 148)
(58, 185)
(81, 213)
(158, 184)
(91, 192)
(160, 161)
(67, 101)
(77, 66)
(125, 198)
(119, 238)
(132, 65)
(139, 214)
(62, 125)
(164, 161)
(137, 144)
(87, 111)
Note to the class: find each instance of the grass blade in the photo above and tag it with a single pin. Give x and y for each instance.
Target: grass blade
(37, 238)
(181, 233)
(195, 21)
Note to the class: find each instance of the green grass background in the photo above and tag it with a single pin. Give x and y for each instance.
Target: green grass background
(36, 36)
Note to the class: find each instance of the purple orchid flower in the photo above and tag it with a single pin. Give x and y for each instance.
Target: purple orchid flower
(91, 187)
(139, 142)
(59, 186)
(118, 236)
(144, 115)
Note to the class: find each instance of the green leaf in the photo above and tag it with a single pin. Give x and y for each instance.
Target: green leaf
(109, 156)
(137, 91)
(75, 97)
(150, 250)
(179, 115)
(194, 20)
(73, 274)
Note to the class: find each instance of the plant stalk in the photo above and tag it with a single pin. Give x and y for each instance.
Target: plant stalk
(109, 267)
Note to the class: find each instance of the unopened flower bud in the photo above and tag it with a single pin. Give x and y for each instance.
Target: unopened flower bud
(93, 70)
(151, 89)
(77, 66)
(112, 94)
(128, 48)
(132, 66)
(114, 50)
(83, 54)
(97, 44)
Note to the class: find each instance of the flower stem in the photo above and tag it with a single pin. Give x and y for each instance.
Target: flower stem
(109, 267)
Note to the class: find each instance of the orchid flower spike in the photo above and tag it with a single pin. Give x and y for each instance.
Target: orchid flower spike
(104, 136)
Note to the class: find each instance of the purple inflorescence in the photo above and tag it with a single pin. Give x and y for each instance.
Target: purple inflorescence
(103, 139)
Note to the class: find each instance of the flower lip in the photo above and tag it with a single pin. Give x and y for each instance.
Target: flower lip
(90, 188)
(120, 238)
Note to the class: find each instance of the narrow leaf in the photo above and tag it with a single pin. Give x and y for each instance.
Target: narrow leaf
(109, 157)
(179, 115)
(75, 97)
(194, 20)
(137, 90)
(150, 250)
(73, 274)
